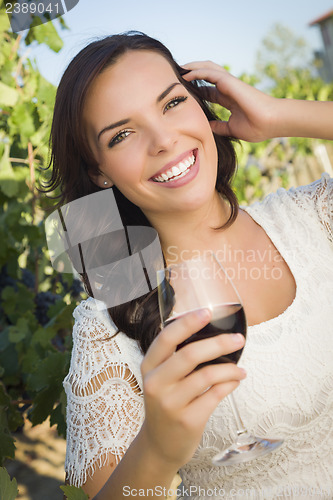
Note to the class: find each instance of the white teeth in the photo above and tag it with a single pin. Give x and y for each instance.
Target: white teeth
(177, 171)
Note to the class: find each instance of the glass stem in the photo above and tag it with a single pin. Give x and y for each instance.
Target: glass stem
(239, 423)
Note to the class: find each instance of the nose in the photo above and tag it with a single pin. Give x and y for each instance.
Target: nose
(162, 138)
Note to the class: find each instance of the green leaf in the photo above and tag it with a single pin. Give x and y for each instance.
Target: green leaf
(73, 493)
(45, 33)
(22, 122)
(43, 405)
(9, 361)
(31, 359)
(19, 332)
(8, 183)
(15, 303)
(15, 419)
(58, 415)
(4, 339)
(43, 336)
(7, 447)
(4, 21)
(50, 371)
(47, 382)
(8, 95)
(8, 487)
(4, 398)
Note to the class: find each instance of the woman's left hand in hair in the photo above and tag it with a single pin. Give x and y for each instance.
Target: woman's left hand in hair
(252, 111)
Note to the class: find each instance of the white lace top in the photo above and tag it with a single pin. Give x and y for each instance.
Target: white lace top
(288, 392)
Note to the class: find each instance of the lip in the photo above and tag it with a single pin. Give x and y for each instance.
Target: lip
(174, 162)
(183, 180)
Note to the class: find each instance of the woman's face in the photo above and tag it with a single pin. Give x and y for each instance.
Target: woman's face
(149, 136)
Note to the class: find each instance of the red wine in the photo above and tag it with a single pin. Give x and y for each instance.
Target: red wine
(226, 318)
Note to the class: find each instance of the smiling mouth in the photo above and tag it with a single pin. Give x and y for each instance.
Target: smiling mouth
(177, 171)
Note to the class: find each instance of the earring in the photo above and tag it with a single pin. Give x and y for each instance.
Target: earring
(105, 183)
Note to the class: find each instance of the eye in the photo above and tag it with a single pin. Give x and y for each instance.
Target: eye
(119, 138)
(174, 102)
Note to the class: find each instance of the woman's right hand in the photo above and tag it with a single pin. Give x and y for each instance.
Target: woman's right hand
(179, 400)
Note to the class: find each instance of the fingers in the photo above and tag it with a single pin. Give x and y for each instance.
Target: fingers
(195, 65)
(209, 75)
(209, 93)
(204, 405)
(205, 70)
(175, 380)
(226, 376)
(193, 354)
(222, 82)
(165, 344)
(221, 128)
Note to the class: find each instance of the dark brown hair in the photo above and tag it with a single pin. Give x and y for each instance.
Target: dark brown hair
(71, 158)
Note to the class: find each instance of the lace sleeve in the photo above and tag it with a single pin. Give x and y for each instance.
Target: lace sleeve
(318, 195)
(104, 396)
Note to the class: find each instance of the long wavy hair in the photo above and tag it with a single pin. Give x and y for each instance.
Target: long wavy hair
(71, 160)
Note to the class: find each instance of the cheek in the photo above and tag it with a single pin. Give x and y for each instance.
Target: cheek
(200, 120)
(122, 169)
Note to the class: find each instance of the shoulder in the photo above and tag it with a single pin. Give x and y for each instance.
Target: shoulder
(92, 321)
(315, 193)
(97, 343)
(309, 200)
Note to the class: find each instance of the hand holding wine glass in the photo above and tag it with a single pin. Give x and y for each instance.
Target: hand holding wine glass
(202, 283)
(178, 398)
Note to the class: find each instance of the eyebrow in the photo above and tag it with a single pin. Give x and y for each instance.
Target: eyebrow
(126, 120)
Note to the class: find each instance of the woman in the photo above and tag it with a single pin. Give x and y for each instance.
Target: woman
(128, 117)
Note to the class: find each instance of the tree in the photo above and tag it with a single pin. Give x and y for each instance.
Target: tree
(283, 49)
(36, 302)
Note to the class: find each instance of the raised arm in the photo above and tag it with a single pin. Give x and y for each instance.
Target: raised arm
(256, 116)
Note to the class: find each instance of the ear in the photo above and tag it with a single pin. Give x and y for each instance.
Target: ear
(100, 180)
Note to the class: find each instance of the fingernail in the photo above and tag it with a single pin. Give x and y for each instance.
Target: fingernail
(238, 338)
(243, 371)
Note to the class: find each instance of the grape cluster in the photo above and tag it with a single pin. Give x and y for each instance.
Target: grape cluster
(76, 289)
(6, 280)
(28, 279)
(43, 301)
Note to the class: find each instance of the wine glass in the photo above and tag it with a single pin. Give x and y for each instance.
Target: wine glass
(203, 283)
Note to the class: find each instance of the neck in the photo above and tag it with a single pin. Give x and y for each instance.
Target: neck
(184, 235)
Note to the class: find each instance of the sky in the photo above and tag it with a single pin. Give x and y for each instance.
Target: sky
(228, 32)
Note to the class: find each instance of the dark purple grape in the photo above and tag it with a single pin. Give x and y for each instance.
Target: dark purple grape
(28, 279)
(76, 289)
(43, 301)
(6, 280)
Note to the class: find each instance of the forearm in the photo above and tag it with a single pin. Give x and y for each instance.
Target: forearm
(297, 118)
(139, 469)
